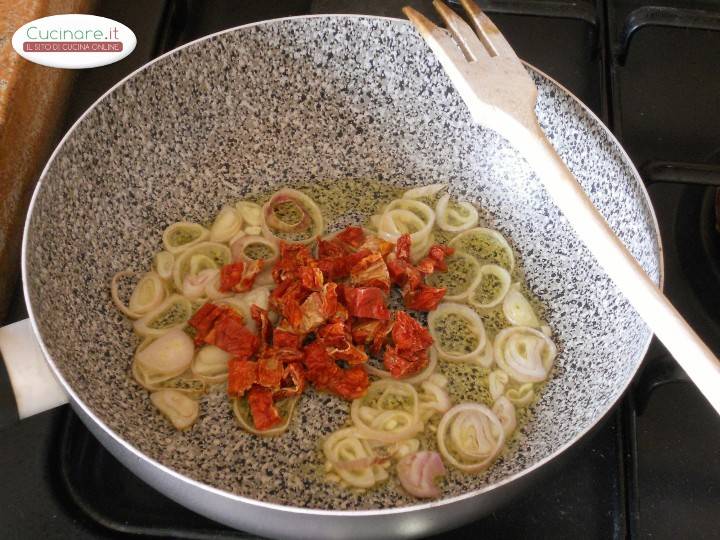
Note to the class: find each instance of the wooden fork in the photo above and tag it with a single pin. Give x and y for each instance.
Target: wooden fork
(501, 96)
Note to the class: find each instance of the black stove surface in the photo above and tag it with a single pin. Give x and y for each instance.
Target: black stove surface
(652, 467)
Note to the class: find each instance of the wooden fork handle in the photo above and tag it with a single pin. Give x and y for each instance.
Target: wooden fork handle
(698, 361)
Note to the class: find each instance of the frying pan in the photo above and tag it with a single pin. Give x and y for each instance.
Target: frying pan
(290, 102)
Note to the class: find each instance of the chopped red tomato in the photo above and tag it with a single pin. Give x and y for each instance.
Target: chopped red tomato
(242, 374)
(262, 408)
(366, 302)
(371, 271)
(409, 335)
(423, 298)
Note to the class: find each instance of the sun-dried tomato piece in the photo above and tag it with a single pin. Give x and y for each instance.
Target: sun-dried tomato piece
(435, 259)
(404, 365)
(231, 335)
(320, 368)
(242, 374)
(264, 328)
(270, 370)
(291, 258)
(287, 301)
(371, 271)
(351, 383)
(402, 272)
(318, 308)
(409, 335)
(423, 298)
(402, 248)
(375, 244)
(293, 383)
(371, 332)
(311, 278)
(348, 353)
(331, 249)
(262, 408)
(353, 236)
(366, 302)
(239, 276)
(286, 339)
(334, 334)
(204, 320)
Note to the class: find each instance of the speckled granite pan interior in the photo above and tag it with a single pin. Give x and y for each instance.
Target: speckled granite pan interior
(286, 103)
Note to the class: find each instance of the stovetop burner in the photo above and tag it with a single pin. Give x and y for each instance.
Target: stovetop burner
(652, 467)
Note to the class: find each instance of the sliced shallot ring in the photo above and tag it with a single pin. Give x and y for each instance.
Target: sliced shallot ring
(197, 232)
(474, 321)
(139, 303)
(517, 309)
(238, 249)
(418, 471)
(505, 411)
(410, 419)
(143, 326)
(423, 191)
(494, 236)
(164, 262)
(346, 451)
(250, 212)
(211, 364)
(482, 412)
(443, 213)
(220, 253)
(167, 357)
(181, 410)
(414, 379)
(524, 353)
(433, 278)
(226, 225)
(115, 294)
(505, 280)
(407, 211)
(306, 204)
(521, 396)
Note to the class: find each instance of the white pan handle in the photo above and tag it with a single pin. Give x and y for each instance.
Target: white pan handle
(35, 387)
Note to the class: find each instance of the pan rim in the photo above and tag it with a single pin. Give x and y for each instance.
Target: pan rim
(77, 402)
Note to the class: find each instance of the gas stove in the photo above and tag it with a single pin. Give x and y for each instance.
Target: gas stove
(652, 467)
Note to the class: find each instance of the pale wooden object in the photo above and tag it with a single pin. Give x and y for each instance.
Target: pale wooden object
(501, 96)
